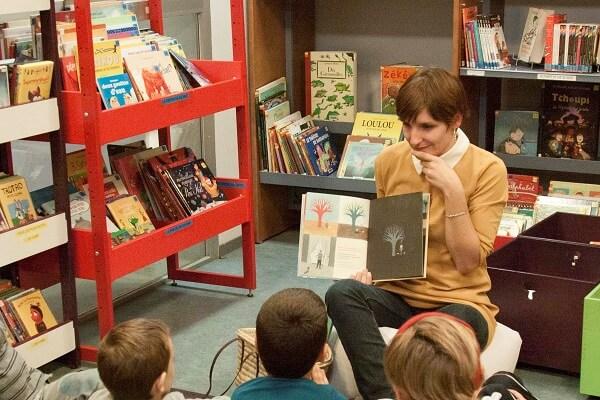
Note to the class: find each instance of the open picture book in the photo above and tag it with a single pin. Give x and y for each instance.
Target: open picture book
(341, 235)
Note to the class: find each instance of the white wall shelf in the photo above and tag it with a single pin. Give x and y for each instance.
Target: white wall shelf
(25, 120)
(24, 7)
(48, 346)
(33, 238)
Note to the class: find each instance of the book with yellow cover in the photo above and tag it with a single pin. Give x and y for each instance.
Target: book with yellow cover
(16, 202)
(33, 312)
(378, 125)
(107, 58)
(129, 214)
(31, 81)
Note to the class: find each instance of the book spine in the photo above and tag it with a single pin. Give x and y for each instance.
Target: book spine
(14, 326)
(307, 88)
(548, 43)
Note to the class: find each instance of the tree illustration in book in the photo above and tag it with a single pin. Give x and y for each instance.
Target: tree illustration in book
(321, 207)
(394, 234)
(570, 120)
(354, 211)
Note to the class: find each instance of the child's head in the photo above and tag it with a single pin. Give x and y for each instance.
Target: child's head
(291, 331)
(434, 356)
(135, 360)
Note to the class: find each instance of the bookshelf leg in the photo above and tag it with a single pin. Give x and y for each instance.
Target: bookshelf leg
(173, 282)
(172, 267)
(248, 249)
(250, 293)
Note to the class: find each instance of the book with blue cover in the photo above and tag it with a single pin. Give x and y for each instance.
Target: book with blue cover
(320, 151)
(116, 91)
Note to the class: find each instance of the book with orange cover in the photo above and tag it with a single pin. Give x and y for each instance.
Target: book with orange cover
(33, 312)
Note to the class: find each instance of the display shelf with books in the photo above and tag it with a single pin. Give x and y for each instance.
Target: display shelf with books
(171, 216)
(23, 233)
(355, 185)
(531, 74)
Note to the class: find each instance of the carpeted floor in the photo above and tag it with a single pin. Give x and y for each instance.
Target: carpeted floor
(202, 318)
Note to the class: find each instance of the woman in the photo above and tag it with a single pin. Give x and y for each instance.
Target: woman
(468, 188)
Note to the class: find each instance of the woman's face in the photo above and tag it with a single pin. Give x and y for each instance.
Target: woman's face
(429, 135)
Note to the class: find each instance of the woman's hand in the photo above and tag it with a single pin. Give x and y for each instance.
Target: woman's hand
(363, 276)
(317, 375)
(438, 173)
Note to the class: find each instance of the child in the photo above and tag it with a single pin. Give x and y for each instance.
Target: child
(436, 356)
(291, 335)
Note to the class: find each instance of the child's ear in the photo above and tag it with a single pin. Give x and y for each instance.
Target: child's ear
(158, 389)
(323, 354)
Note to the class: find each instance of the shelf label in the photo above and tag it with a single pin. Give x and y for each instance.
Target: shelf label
(175, 99)
(31, 233)
(475, 72)
(178, 227)
(557, 77)
(233, 185)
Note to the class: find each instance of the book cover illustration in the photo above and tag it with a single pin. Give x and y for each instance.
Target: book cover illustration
(208, 180)
(79, 204)
(573, 189)
(516, 132)
(153, 74)
(570, 120)
(198, 78)
(33, 311)
(4, 91)
(358, 157)
(116, 91)
(77, 169)
(378, 125)
(16, 202)
(392, 77)
(108, 60)
(129, 214)
(331, 82)
(187, 184)
(68, 69)
(321, 151)
(341, 235)
(523, 190)
(531, 48)
(32, 81)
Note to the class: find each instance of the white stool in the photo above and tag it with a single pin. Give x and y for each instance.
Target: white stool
(501, 355)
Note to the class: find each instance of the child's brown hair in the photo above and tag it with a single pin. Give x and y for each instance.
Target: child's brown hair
(291, 330)
(132, 356)
(434, 356)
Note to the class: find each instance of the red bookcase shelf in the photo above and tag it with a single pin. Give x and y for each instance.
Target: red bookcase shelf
(84, 122)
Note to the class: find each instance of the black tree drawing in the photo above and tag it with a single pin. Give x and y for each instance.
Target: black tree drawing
(354, 211)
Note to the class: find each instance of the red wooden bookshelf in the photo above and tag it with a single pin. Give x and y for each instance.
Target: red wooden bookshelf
(86, 123)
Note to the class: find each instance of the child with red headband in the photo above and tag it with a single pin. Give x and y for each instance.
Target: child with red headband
(436, 356)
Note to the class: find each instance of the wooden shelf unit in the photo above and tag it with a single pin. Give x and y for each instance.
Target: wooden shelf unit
(86, 123)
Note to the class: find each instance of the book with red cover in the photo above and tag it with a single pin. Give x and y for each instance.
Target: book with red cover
(68, 69)
(522, 190)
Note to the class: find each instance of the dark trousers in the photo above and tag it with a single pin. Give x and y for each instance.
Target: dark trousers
(358, 310)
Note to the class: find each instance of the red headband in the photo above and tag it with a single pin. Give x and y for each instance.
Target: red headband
(478, 377)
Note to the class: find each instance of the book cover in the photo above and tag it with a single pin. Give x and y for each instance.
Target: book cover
(34, 313)
(531, 48)
(32, 81)
(108, 60)
(129, 214)
(79, 204)
(378, 125)
(113, 187)
(5, 330)
(70, 77)
(392, 77)
(358, 157)
(570, 120)
(548, 205)
(516, 132)
(573, 189)
(146, 193)
(208, 180)
(321, 151)
(331, 82)
(522, 190)
(3, 221)
(468, 14)
(16, 202)
(187, 183)
(77, 169)
(4, 91)
(153, 74)
(341, 235)
(198, 78)
(116, 91)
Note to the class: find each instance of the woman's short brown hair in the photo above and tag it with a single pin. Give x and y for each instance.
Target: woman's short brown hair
(435, 358)
(291, 330)
(434, 90)
(132, 356)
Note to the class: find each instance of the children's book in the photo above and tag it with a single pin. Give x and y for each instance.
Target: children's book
(342, 235)
(4, 91)
(33, 312)
(320, 151)
(392, 77)
(153, 74)
(378, 125)
(331, 83)
(198, 79)
(3, 221)
(358, 158)
(129, 214)
(108, 60)
(116, 91)
(186, 182)
(531, 48)
(516, 132)
(573, 189)
(523, 190)
(16, 202)
(5, 330)
(208, 180)
(31, 81)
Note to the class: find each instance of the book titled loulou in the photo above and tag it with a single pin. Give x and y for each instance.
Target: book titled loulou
(331, 81)
(341, 235)
(378, 125)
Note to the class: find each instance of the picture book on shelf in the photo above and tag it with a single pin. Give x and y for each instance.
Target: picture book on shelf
(331, 82)
(128, 214)
(3, 221)
(186, 181)
(5, 330)
(392, 77)
(4, 91)
(108, 60)
(68, 69)
(574, 189)
(208, 180)
(523, 190)
(341, 235)
(516, 132)
(358, 157)
(16, 202)
(31, 81)
(33, 312)
(378, 125)
(153, 74)
(531, 48)
(570, 120)
(116, 91)
(321, 151)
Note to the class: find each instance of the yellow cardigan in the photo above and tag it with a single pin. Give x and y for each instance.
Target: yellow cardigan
(484, 179)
